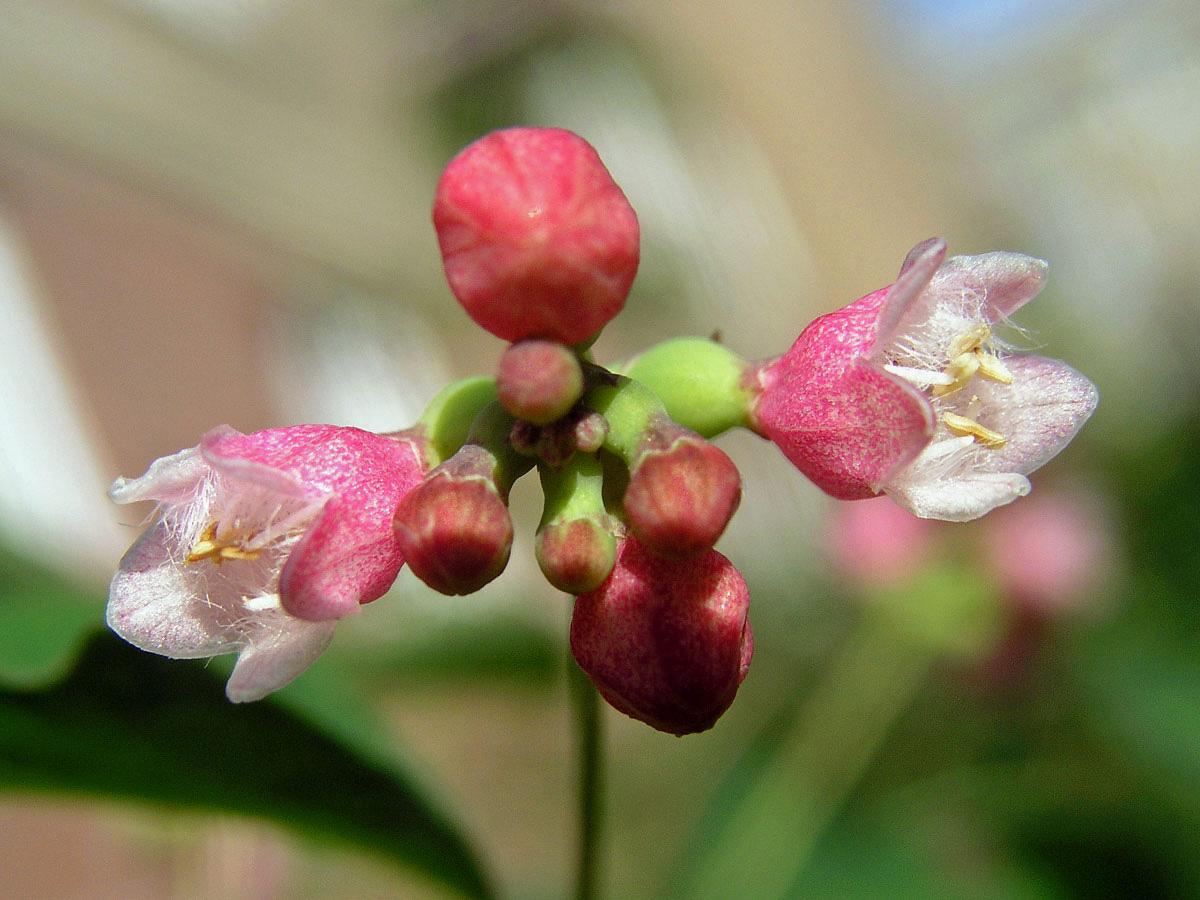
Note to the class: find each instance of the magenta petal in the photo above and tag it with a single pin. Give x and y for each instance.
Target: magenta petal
(348, 556)
(847, 431)
(257, 458)
(1043, 408)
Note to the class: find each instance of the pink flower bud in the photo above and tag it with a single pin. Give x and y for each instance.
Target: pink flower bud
(454, 528)
(664, 641)
(539, 381)
(681, 497)
(575, 555)
(537, 239)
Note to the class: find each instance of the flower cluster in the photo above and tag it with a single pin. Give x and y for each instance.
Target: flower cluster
(263, 541)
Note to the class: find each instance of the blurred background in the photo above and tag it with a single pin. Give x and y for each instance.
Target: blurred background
(218, 211)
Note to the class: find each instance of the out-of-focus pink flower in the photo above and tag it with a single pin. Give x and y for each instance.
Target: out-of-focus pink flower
(537, 239)
(263, 541)
(667, 642)
(1049, 552)
(876, 542)
(908, 390)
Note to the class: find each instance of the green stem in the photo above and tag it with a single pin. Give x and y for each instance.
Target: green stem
(585, 702)
(772, 828)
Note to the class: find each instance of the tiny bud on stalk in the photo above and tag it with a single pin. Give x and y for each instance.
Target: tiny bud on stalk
(454, 528)
(575, 555)
(680, 499)
(539, 381)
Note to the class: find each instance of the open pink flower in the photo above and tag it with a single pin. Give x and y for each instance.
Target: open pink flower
(263, 541)
(908, 391)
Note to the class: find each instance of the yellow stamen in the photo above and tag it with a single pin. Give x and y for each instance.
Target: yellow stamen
(991, 367)
(961, 368)
(964, 427)
(209, 546)
(969, 354)
(970, 340)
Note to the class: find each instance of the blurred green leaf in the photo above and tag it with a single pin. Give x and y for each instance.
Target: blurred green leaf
(44, 618)
(1144, 687)
(130, 724)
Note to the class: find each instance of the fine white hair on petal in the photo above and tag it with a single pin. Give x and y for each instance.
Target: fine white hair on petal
(281, 650)
(168, 480)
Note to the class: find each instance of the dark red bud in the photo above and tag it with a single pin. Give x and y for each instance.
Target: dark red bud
(575, 555)
(539, 381)
(455, 533)
(680, 499)
(664, 641)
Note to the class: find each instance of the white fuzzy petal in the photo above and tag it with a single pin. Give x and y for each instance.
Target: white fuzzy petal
(1039, 413)
(960, 499)
(279, 650)
(168, 480)
(153, 604)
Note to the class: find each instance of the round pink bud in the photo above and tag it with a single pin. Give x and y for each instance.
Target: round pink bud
(539, 381)
(455, 531)
(536, 238)
(679, 500)
(664, 641)
(575, 555)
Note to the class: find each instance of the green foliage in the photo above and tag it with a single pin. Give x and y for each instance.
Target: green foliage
(129, 724)
(44, 618)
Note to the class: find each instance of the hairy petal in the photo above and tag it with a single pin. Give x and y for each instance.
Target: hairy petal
(276, 656)
(1041, 411)
(153, 604)
(1006, 280)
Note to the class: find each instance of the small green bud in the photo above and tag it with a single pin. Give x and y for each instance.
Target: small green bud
(701, 383)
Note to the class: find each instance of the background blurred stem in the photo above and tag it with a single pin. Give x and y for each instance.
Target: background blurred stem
(585, 703)
(765, 837)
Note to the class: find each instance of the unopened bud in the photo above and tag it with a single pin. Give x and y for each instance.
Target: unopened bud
(590, 430)
(576, 555)
(664, 641)
(454, 528)
(680, 498)
(537, 239)
(539, 381)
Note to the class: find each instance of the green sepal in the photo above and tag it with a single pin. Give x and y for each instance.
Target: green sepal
(632, 411)
(575, 490)
(448, 418)
(576, 544)
(490, 430)
(702, 384)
